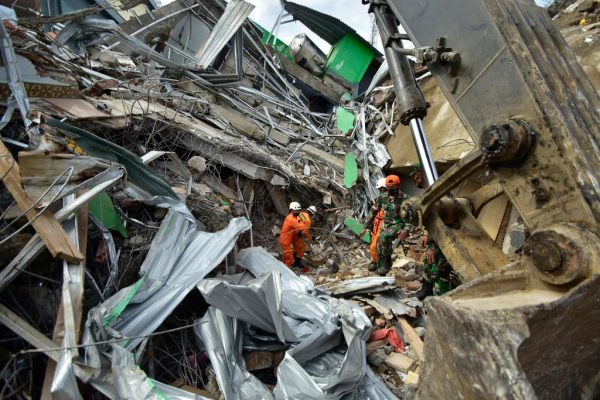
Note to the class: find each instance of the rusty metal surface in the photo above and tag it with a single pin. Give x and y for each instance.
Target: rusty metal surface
(506, 72)
(470, 250)
(511, 347)
(510, 331)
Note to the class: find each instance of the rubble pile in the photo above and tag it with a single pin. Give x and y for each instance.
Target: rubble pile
(137, 159)
(148, 156)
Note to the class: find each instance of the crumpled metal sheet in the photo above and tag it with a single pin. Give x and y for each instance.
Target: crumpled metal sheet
(222, 336)
(378, 153)
(258, 261)
(341, 377)
(370, 284)
(132, 383)
(397, 303)
(179, 257)
(173, 393)
(308, 370)
(370, 387)
(113, 255)
(232, 19)
(64, 384)
(81, 33)
(261, 302)
(18, 94)
(257, 302)
(139, 173)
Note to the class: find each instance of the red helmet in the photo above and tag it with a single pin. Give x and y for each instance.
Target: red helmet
(392, 181)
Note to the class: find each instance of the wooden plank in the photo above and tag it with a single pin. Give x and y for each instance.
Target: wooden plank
(54, 236)
(412, 378)
(400, 362)
(416, 344)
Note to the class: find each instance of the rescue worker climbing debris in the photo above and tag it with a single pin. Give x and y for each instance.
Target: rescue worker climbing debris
(393, 225)
(377, 223)
(291, 237)
(437, 275)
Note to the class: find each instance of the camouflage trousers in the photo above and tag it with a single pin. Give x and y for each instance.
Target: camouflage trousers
(438, 274)
(385, 241)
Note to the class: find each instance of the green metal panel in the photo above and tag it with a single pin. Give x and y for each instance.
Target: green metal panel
(138, 172)
(350, 171)
(356, 227)
(349, 58)
(345, 119)
(275, 43)
(104, 210)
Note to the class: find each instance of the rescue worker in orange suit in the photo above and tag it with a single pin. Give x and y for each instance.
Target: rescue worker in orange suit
(377, 223)
(306, 217)
(291, 237)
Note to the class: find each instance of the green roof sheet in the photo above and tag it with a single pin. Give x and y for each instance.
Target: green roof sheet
(327, 27)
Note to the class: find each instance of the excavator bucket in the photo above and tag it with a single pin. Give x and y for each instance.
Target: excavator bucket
(528, 328)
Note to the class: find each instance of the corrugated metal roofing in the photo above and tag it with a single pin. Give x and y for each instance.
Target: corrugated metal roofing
(327, 27)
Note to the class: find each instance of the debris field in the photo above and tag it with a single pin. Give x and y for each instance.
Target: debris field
(148, 157)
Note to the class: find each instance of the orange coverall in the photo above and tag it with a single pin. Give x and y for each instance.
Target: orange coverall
(377, 223)
(290, 239)
(305, 218)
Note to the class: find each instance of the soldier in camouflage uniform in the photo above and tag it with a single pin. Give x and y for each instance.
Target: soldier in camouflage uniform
(393, 224)
(437, 274)
(436, 277)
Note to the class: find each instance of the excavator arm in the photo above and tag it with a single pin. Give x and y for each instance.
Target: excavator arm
(526, 328)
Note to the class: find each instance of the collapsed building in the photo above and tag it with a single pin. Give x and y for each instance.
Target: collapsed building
(149, 154)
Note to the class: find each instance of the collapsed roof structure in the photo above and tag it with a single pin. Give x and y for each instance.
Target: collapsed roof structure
(147, 155)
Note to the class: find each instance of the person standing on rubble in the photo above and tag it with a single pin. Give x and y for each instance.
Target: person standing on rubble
(291, 237)
(377, 224)
(393, 225)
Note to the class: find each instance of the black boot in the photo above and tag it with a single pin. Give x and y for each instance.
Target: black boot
(425, 291)
(385, 266)
(372, 266)
(297, 263)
